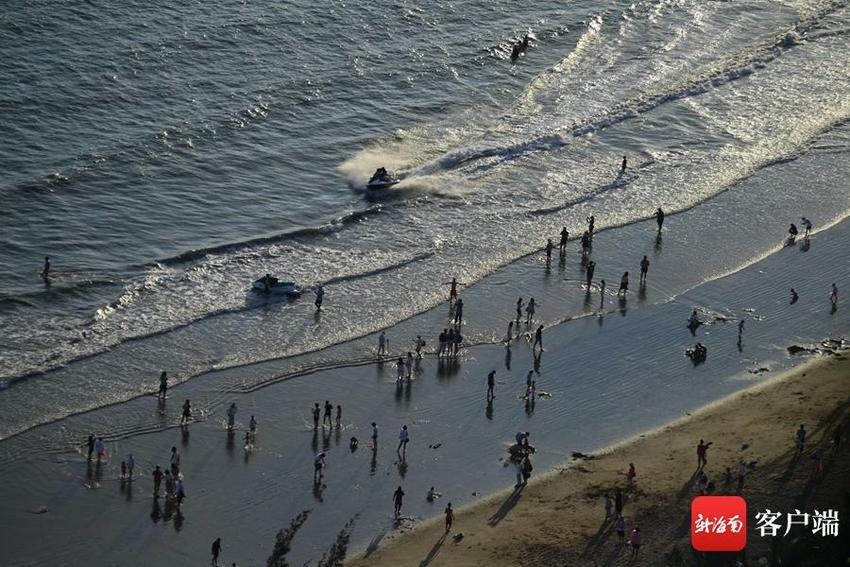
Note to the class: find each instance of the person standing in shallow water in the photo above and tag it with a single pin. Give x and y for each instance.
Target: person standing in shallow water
(565, 235)
(624, 284)
(659, 218)
(329, 408)
(163, 384)
(644, 268)
(187, 413)
(549, 248)
(491, 385)
(216, 550)
(317, 413)
(398, 497)
(591, 267)
(45, 271)
(519, 310)
(538, 338)
(529, 311)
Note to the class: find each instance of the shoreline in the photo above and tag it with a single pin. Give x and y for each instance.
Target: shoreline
(484, 541)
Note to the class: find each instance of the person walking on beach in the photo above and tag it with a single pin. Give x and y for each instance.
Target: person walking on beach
(420, 344)
(807, 226)
(442, 342)
(590, 222)
(175, 461)
(400, 368)
(453, 289)
(510, 334)
(794, 297)
(624, 284)
(90, 444)
(231, 416)
(45, 271)
(549, 248)
(398, 497)
(252, 429)
(326, 418)
(591, 267)
(740, 330)
(450, 517)
(585, 243)
(131, 464)
(491, 385)
(319, 467)
(702, 483)
(382, 344)
(800, 440)
(631, 474)
(620, 527)
(317, 413)
(528, 382)
(518, 310)
(601, 292)
(644, 268)
(659, 218)
(187, 413)
(624, 165)
(99, 449)
(565, 235)
(374, 435)
(538, 338)
(833, 295)
(634, 541)
(179, 492)
(702, 449)
(320, 296)
(529, 311)
(338, 416)
(458, 312)
(163, 384)
(409, 364)
(169, 486)
(157, 481)
(403, 438)
(216, 550)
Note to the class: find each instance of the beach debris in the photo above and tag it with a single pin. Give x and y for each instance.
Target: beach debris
(457, 537)
(577, 455)
(745, 446)
(761, 370)
(435, 446)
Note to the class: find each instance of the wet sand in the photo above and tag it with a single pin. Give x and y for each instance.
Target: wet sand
(558, 518)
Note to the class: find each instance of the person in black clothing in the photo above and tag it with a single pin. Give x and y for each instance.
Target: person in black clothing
(163, 384)
(90, 444)
(591, 267)
(659, 218)
(565, 235)
(216, 550)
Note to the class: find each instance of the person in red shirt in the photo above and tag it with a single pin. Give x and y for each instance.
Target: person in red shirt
(450, 516)
(157, 480)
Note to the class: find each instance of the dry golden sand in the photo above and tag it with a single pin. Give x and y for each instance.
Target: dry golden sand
(558, 518)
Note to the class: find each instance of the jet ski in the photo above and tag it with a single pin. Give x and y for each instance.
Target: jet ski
(272, 285)
(382, 179)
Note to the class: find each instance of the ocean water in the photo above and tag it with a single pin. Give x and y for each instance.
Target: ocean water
(165, 156)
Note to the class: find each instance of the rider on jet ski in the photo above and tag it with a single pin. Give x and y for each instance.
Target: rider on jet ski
(380, 175)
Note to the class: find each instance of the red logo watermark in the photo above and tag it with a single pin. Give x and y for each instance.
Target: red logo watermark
(718, 523)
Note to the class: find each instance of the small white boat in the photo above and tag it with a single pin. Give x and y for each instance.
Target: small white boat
(291, 289)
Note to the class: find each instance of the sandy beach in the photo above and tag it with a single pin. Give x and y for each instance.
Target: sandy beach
(558, 519)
